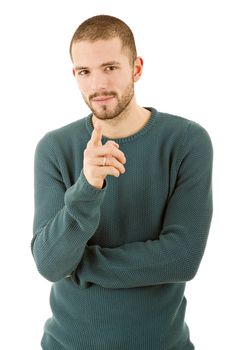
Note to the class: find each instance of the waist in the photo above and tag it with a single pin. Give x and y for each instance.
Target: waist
(143, 318)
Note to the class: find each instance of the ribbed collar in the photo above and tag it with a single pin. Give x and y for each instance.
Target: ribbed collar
(130, 138)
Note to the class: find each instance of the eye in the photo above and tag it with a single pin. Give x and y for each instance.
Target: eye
(83, 72)
(110, 68)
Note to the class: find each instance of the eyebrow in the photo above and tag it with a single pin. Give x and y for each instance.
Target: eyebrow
(110, 63)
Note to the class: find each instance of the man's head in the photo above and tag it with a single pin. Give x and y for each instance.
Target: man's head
(106, 65)
(104, 27)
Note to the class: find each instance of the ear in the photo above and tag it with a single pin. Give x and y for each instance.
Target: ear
(73, 72)
(138, 65)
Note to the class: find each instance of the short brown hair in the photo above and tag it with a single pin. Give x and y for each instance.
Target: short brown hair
(104, 27)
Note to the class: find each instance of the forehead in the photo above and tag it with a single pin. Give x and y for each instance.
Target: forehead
(88, 53)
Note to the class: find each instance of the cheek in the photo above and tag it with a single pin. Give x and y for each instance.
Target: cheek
(124, 79)
(124, 85)
(116, 84)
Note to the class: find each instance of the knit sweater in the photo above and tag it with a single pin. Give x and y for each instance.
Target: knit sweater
(120, 256)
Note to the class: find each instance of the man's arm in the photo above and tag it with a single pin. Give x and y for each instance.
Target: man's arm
(176, 255)
(64, 220)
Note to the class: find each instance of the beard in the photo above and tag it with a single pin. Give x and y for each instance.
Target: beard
(107, 112)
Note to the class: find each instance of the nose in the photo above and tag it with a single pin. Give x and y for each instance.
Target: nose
(98, 81)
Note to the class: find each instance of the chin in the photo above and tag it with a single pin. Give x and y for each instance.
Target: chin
(104, 114)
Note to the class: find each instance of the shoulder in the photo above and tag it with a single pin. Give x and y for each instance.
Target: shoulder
(182, 127)
(182, 138)
(70, 130)
(174, 122)
(65, 136)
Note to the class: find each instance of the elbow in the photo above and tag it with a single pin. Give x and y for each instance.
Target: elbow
(190, 268)
(190, 274)
(52, 275)
(45, 269)
(191, 260)
(53, 271)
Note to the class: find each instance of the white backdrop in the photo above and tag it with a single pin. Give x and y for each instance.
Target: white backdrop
(186, 47)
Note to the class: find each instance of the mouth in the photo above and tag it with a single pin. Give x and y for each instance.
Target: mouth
(102, 99)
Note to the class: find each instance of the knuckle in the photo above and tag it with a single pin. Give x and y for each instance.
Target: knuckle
(108, 142)
(110, 148)
(111, 143)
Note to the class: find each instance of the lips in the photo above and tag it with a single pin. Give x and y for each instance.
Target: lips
(102, 98)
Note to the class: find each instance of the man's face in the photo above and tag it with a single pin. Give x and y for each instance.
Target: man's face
(104, 75)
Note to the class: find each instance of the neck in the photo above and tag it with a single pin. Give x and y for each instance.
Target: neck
(129, 122)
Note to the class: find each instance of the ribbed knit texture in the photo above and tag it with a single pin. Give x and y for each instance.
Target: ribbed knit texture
(120, 256)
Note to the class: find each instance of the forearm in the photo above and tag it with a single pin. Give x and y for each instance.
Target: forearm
(138, 264)
(58, 245)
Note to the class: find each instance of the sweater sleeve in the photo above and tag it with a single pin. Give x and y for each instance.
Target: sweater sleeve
(176, 255)
(64, 219)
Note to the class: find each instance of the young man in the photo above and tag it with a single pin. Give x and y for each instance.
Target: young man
(123, 206)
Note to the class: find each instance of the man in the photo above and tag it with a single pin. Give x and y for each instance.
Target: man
(123, 206)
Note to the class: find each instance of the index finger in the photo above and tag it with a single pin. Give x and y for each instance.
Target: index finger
(96, 135)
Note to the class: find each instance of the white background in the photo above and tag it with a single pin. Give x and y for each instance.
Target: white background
(186, 47)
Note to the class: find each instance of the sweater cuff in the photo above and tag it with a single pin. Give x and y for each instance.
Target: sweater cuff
(83, 198)
(82, 178)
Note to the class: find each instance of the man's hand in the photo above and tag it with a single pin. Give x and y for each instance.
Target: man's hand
(102, 160)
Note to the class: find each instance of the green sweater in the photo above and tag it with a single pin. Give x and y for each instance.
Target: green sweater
(120, 256)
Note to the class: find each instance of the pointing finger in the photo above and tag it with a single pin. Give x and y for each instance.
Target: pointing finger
(96, 135)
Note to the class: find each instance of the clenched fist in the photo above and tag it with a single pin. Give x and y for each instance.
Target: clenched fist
(101, 160)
